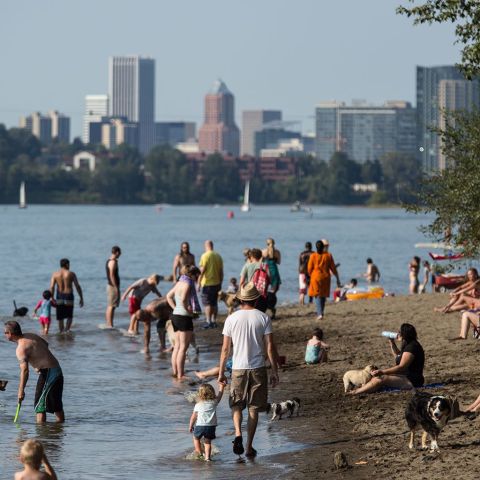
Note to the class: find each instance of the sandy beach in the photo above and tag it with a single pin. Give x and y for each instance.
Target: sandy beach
(371, 429)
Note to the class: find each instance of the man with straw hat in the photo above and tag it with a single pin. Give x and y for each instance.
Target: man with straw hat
(250, 332)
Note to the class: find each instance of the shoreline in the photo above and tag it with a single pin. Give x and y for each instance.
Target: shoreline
(371, 428)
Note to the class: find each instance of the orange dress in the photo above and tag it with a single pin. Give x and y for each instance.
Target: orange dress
(320, 267)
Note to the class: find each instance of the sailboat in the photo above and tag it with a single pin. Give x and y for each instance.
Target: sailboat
(22, 201)
(246, 198)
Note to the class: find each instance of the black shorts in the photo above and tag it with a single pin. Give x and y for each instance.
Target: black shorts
(182, 323)
(210, 295)
(64, 305)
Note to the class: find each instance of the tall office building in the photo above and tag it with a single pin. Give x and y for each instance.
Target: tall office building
(219, 133)
(429, 110)
(253, 121)
(96, 107)
(171, 133)
(132, 95)
(116, 131)
(364, 132)
(60, 126)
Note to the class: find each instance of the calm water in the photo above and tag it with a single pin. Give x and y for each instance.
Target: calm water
(125, 417)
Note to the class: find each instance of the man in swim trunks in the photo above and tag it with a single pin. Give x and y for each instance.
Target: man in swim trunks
(157, 309)
(113, 285)
(64, 280)
(33, 350)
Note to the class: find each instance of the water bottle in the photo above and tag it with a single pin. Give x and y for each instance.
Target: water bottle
(391, 335)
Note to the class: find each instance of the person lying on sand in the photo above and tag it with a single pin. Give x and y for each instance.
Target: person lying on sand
(464, 296)
(408, 370)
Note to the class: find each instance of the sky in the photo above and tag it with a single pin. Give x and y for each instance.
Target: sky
(272, 54)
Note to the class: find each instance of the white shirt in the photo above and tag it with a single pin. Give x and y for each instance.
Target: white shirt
(247, 329)
(206, 413)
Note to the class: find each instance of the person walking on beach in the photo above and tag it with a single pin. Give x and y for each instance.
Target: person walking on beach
(320, 268)
(33, 350)
(210, 280)
(136, 292)
(273, 258)
(250, 332)
(63, 281)
(113, 285)
(303, 277)
(184, 257)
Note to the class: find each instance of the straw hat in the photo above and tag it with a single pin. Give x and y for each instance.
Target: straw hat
(325, 242)
(248, 293)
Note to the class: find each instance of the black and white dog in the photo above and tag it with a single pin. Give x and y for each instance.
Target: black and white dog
(278, 409)
(431, 413)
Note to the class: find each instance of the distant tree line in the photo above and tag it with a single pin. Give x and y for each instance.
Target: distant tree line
(166, 175)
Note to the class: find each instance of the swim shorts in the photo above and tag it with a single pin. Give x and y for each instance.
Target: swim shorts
(44, 320)
(207, 431)
(113, 296)
(302, 283)
(134, 304)
(249, 388)
(210, 295)
(182, 323)
(64, 305)
(49, 391)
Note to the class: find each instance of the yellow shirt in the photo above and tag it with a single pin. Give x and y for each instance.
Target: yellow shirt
(212, 264)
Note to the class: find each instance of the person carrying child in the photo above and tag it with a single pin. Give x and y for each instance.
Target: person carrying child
(45, 306)
(33, 456)
(203, 421)
(317, 349)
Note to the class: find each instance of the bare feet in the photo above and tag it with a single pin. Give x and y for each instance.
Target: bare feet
(456, 338)
(199, 375)
(320, 317)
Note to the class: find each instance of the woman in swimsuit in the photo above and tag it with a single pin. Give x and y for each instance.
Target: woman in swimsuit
(272, 258)
(414, 267)
(465, 296)
(184, 257)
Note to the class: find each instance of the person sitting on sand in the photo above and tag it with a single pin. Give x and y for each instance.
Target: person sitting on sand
(408, 370)
(32, 455)
(470, 317)
(340, 293)
(464, 296)
(317, 349)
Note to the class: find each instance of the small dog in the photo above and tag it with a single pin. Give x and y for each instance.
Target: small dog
(289, 406)
(3, 384)
(19, 312)
(357, 378)
(431, 413)
(230, 300)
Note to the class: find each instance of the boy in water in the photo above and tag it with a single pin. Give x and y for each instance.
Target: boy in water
(33, 456)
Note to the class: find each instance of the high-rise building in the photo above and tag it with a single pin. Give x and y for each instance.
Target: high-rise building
(253, 121)
(219, 133)
(171, 133)
(364, 132)
(429, 108)
(272, 134)
(96, 107)
(60, 126)
(132, 95)
(116, 131)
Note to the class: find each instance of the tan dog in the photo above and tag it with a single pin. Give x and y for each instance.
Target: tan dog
(357, 378)
(230, 300)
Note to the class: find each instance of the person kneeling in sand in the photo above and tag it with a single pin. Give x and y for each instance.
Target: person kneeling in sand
(408, 370)
(33, 456)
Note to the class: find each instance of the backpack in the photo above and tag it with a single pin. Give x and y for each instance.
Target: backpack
(261, 279)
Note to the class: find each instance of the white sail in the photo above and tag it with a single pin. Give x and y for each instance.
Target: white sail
(246, 198)
(23, 200)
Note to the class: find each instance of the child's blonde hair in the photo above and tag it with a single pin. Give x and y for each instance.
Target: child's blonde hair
(31, 453)
(206, 392)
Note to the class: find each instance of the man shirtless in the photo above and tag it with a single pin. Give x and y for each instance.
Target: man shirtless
(32, 349)
(113, 285)
(63, 280)
(373, 273)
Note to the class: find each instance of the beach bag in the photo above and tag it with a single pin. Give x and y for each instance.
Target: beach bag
(261, 279)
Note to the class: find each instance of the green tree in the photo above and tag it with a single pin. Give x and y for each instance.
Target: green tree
(401, 176)
(220, 180)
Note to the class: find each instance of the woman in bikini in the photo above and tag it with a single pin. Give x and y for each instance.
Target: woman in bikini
(465, 296)
(414, 267)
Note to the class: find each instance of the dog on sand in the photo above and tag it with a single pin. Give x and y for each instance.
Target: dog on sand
(357, 378)
(279, 409)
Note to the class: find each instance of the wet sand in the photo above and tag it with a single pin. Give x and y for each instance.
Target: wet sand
(371, 429)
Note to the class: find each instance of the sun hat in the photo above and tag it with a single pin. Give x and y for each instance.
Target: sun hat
(248, 293)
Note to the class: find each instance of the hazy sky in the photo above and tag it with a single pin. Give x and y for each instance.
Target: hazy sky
(281, 54)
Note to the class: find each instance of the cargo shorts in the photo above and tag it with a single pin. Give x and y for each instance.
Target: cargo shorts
(249, 388)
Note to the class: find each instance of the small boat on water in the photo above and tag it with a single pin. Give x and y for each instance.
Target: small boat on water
(245, 207)
(298, 207)
(23, 199)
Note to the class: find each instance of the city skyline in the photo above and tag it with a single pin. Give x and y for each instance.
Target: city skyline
(317, 60)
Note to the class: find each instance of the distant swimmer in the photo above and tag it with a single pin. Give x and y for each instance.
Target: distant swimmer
(33, 350)
(373, 273)
(63, 281)
(113, 285)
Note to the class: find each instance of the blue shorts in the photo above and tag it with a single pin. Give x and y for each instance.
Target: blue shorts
(204, 431)
(210, 295)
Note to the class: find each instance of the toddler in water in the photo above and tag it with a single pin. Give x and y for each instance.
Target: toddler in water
(203, 421)
(32, 456)
(45, 306)
(317, 349)
(233, 287)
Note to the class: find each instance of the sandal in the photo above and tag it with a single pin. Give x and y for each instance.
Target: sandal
(238, 445)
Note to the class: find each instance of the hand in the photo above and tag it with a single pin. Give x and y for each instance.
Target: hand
(81, 302)
(274, 379)
(377, 373)
(191, 429)
(222, 381)
(339, 285)
(21, 396)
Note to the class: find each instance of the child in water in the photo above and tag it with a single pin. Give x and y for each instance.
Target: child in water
(317, 349)
(45, 305)
(203, 421)
(32, 456)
